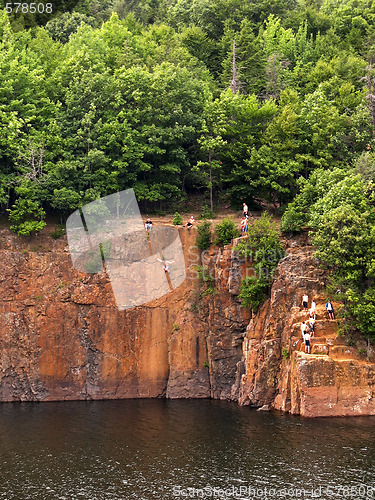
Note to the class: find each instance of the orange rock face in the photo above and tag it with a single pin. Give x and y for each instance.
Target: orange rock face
(322, 386)
(332, 380)
(63, 338)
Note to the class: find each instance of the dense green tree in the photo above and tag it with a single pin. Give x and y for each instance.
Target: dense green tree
(26, 217)
(62, 27)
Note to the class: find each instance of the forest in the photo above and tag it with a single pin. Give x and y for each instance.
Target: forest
(271, 102)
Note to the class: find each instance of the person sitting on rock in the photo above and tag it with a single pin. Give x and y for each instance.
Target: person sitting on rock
(305, 302)
(329, 308)
(307, 343)
(148, 224)
(190, 223)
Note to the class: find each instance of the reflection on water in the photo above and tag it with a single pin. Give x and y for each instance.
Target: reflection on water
(157, 449)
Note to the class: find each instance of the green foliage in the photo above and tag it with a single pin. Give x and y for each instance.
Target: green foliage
(206, 213)
(58, 231)
(264, 250)
(253, 292)
(94, 259)
(365, 166)
(95, 103)
(225, 231)
(338, 206)
(293, 219)
(63, 26)
(208, 281)
(177, 219)
(262, 244)
(319, 183)
(204, 236)
(285, 353)
(26, 217)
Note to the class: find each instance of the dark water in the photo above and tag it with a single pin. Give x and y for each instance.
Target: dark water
(157, 449)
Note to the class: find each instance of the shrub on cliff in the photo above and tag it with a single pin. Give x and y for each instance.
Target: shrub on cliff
(253, 292)
(206, 213)
(204, 236)
(226, 230)
(264, 250)
(177, 219)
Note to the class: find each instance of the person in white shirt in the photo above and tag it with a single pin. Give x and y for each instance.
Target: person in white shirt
(245, 209)
(305, 302)
(313, 309)
(190, 222)
(304, 329)
(307, 343)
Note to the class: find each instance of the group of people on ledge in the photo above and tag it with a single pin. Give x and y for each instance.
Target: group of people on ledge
(189, 224)
(308, 326)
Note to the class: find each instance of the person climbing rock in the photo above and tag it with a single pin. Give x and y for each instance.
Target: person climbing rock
(148, 225)
(304, 329)
(307, 343)
(166, 264)
(305, 302)
(312, 326)
(243, 226)
(313, 309)
(329, 308)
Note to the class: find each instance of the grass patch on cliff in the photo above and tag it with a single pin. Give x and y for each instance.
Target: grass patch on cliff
(285, 353)
(207, 281)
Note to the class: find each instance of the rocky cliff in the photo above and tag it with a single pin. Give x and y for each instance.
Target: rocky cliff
(334, 379)
(63, 338)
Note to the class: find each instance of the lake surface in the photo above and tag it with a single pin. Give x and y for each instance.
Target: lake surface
(159, 449)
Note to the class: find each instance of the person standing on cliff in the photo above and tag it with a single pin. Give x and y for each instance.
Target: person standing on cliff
(305, 302)
(304, 329)
(307, 343)
(313, 309)
(245, 209)
(312, 326)
(329, 308)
